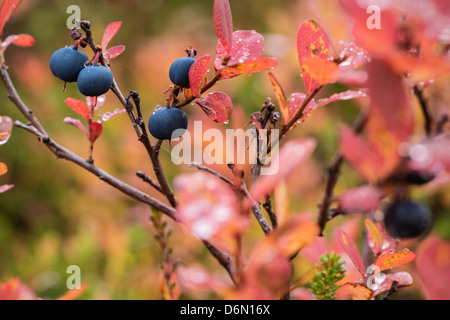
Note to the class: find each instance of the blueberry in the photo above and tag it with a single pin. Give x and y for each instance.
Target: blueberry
(164, 121)
(94, 80)
(66, 63)
(179, 71)
(406, 219)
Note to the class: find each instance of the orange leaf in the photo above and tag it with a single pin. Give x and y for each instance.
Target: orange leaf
(375, 237)
(248, 66)
(321, 71)
(21, 40)
(3, 168)
(281, 97)
(312, 42)
(354, 291)
(74, 294)
(395, 259)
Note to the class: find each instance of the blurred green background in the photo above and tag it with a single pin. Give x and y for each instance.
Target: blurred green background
(58, 215)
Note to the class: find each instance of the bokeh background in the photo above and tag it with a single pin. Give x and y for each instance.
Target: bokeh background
(58, 215)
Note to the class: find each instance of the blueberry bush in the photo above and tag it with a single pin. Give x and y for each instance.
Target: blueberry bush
(356, 93)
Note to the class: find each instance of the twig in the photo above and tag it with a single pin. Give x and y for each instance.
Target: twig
(333, 174)
(138, 125)
(254, 205)
(272, 215)
(225, 260)
(392, 290)
(63, 153)
(418, 92)
(149, 180)
(440, 124)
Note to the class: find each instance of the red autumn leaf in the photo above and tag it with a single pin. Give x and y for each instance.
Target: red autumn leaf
(395, 259)
(197, 74)
(5, 188)
(3, 168)
(14, 289)
(109, 33)
(223, 24)
(293, 154)
(295, 100)
(95, 130)
(320, 71)
(374, 237)
(404, 279)
(433, 268)
(354, 291)
(352, 56)
(345, 95)
(21, 40)
(77, 123)
(79, 107)
(312, 42)
(248, 67)
(363, 199)
(390, 108)
(281, 97)
(246, 45)
(95, 102)
(8, 7)
(360, 156)
(209, 209)
(377, 41)
(352, 251)
(114, 52)
(217, 105)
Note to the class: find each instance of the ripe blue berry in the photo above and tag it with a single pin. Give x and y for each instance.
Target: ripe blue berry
(164, 121)
(94, 80)
(179, 71)
(406, 219)
(66, 63)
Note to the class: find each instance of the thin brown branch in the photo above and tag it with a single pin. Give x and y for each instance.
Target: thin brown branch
(393, 289)
(270, 212)
(149, 180)
(333, 174)
(418, 92)
(138, 124)
(225, 260)
(254, 205)
(63, 153)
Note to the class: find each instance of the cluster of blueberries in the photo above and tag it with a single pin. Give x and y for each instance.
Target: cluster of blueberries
(403, 219)
(70, 64)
